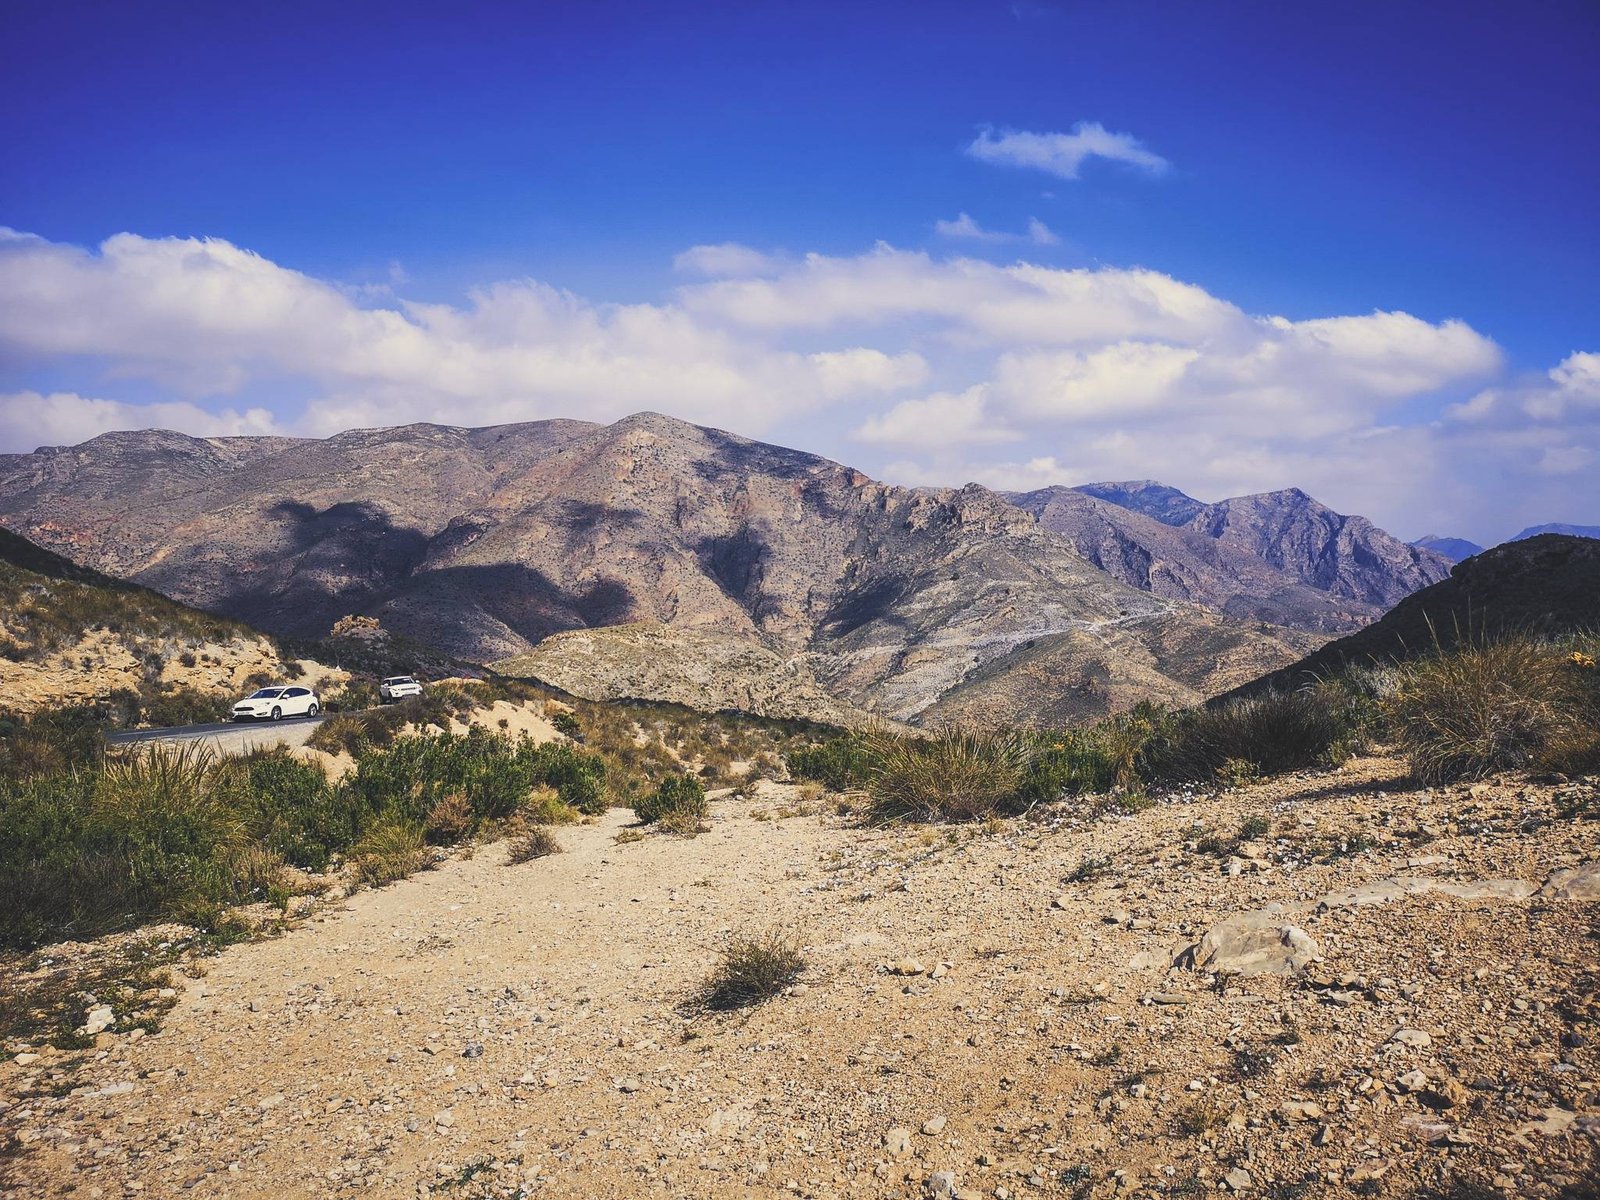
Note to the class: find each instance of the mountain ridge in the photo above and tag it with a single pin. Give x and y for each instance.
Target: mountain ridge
(484, 542)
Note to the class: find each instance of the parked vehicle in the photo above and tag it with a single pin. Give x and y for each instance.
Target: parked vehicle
(398, 687)
(276, 703)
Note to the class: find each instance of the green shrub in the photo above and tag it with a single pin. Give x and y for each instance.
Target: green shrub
(578, 776)
(753, 969)
(389, 851)
(295, 812)
(840, 764)
(544, 806)
(956, 775)
(1487, 705)
(47, 743)
(1069, 764)
(565, 723)
(1271, 733)
(679, 795)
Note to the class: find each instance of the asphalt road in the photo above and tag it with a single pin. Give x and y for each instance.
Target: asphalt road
(227, 737)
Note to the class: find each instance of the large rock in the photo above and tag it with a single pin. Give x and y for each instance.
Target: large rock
(1256, 943)
(1573, 883)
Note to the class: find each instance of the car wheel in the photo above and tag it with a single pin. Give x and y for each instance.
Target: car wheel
(277, 714)
(312, 711)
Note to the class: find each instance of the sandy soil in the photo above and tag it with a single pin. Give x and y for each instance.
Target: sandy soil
(986, 1012)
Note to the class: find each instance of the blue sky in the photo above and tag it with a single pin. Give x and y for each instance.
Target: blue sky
(1267, 168)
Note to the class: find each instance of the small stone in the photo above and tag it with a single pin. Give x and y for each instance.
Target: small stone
(1301, 1110)
(1117, 916)
(629, 1085)
(897, 1142)
(907, 966)
(1412, 1081)
(934, 1125)
(1415, 1038)
(473, 1050)
(100, 1020)
(1062, 901)
(444, 1119)
(1239, 1180)
(271, 1101)
(943, 1185)
(26, 1059)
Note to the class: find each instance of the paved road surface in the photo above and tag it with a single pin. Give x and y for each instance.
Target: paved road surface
(227, 738)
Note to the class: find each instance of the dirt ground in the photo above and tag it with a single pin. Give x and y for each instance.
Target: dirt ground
(987, 1011)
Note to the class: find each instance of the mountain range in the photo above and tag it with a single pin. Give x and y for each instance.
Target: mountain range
(1457, 549)
(916, 603)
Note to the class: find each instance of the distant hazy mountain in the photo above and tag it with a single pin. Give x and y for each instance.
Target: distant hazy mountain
(951, 603)
(1453, 548)
(1304, 541)
(1548, 583)
(1583, 531)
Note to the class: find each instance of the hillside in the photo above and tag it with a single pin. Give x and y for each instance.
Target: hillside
(484, 542)
(1545, 584)
(1184, 563)
(1301, 539)
(70, 635)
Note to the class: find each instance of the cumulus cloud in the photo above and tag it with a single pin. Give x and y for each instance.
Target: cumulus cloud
(939, 369)
(1063, 154)
(29, 420)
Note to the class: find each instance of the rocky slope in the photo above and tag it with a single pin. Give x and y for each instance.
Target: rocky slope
(1347, 557)
(1184, 563)
(1390, 992)
(1547, 584)
(70, 635)
(484, 542)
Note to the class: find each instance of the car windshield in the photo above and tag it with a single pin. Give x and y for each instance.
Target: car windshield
(266, 694)
(400, 679)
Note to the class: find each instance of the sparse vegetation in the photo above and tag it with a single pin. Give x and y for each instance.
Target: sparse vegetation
(957, 775)
(753, 968)
(1487, 705)
(678, 797)
(530, 842)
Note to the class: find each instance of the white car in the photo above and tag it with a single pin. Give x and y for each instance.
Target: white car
(276, 703)
(398, 687)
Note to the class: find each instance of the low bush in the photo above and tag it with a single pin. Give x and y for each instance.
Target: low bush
(1242, 738)
(1069, 764)
(530, 842)
(544, 806)
(680, 796)
(753, 968)
(389, 851)
(1485, 706)
(956, 775)
(840, 764)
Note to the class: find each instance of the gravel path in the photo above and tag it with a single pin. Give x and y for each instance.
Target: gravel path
(985, 1013)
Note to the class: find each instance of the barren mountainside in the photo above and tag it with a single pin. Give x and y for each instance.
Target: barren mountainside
(1347, 557)
(484, 542)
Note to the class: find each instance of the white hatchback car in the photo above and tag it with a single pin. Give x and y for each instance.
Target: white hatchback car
(398, 687)
(276, 703)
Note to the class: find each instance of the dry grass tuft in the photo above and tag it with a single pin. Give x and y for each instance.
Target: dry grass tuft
(533, 841)
(753, 969)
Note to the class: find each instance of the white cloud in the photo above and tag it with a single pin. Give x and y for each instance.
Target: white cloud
(964, 227)
(937, 422)
(724, 259)
(1063, 154)
(943, 369)
(29, 420)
